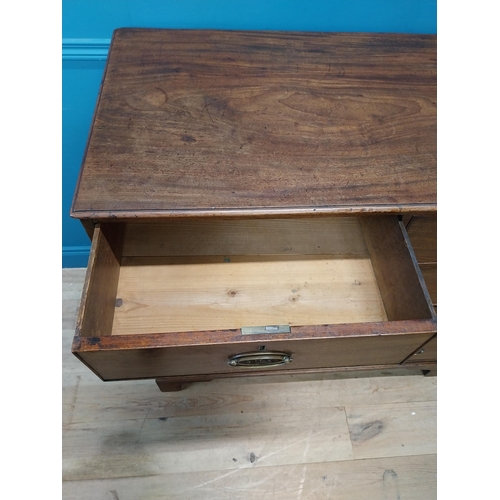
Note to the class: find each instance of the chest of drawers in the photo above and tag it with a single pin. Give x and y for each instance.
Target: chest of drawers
(259, 203)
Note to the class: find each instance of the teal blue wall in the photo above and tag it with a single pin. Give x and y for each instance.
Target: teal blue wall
(88, 25)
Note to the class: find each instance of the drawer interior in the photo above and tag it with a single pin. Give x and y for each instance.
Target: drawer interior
(199, 275)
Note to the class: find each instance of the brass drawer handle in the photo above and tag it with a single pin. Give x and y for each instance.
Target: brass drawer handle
(260, 359)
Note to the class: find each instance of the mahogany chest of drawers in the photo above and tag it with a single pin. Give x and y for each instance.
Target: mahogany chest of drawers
(260, 203)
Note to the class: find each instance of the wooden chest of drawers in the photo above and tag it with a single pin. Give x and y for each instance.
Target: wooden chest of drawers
(259, 202)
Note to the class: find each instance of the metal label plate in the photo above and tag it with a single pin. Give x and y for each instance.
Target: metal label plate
(253, 330)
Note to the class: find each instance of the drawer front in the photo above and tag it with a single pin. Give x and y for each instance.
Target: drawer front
(427, 352)
(116, 364)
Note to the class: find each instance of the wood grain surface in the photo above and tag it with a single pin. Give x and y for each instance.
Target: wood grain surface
(99, 293)
(388, 430)
(429, 272)
(153, 362)
(282, 436)
(423, 235)
(245, 123)
(396, 270)
(340, 236)
(422, 231)
(186, 294)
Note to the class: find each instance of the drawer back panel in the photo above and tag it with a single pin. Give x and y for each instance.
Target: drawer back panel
(340, 236)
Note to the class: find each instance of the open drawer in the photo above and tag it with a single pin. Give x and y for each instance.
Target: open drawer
(199, 297)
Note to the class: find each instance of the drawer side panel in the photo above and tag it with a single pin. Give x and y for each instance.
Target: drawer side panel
(96, 312)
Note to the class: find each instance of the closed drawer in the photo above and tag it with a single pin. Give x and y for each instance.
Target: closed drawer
(427, 352)
(175, 298)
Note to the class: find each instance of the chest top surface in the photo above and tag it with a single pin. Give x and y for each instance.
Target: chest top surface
(234, 123)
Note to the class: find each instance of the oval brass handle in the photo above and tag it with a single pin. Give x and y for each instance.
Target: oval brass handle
(260, 359)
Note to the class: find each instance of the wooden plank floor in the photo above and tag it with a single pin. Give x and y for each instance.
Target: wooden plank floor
(327, 436)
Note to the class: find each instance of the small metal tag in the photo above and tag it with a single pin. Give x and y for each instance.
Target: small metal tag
(252, 330)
